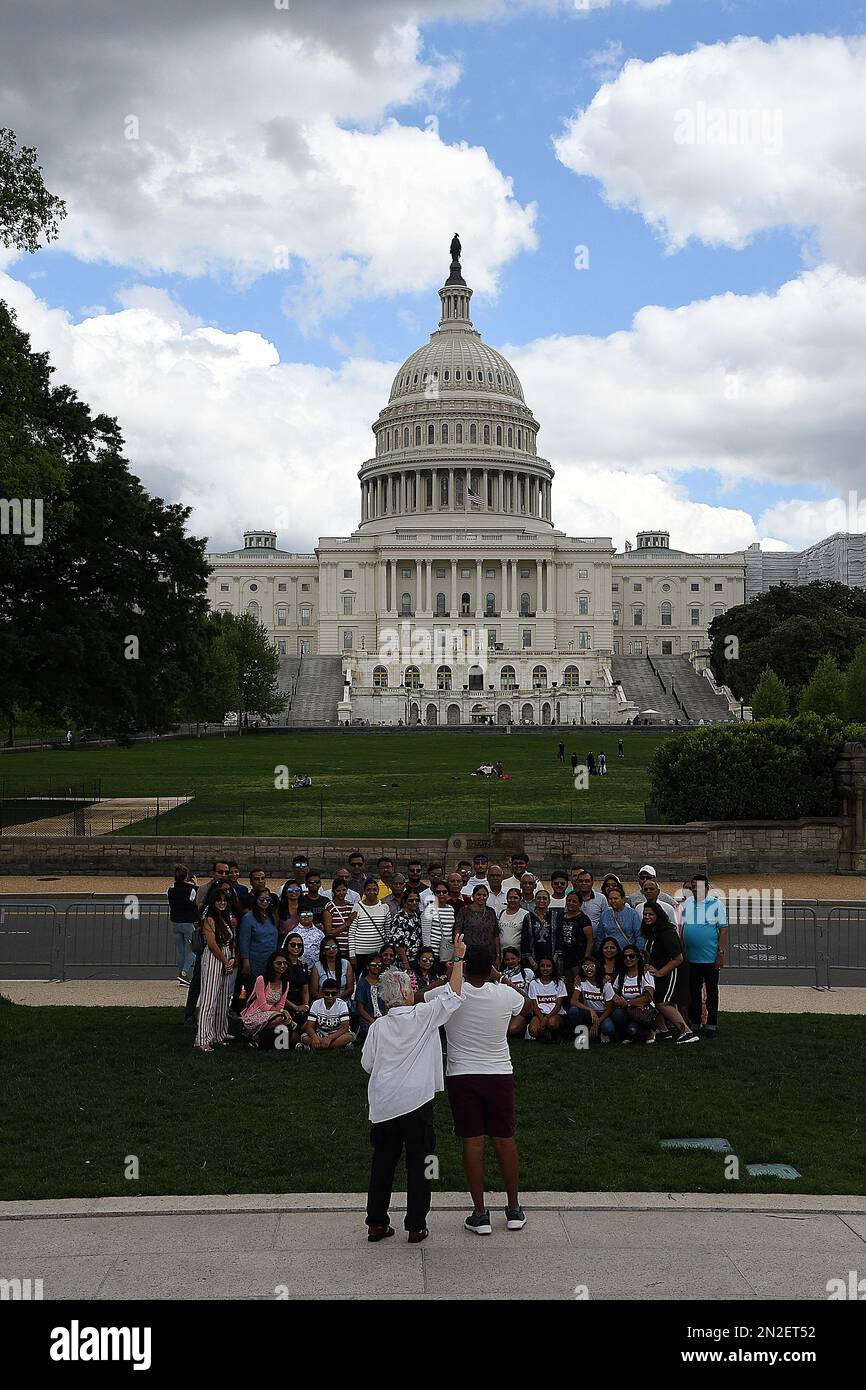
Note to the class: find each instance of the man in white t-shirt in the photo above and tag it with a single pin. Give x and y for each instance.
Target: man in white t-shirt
(480, 1084)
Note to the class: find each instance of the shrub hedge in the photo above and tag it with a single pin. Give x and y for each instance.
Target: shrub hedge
(776, 769)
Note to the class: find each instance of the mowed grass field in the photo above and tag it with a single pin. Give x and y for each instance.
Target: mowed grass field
(363, 783)
(91, 1086)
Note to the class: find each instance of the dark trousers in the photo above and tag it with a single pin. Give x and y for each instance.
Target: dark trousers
(700, 975)
(415, 1133)
(193, 992)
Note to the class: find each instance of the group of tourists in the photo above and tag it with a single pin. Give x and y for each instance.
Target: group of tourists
(302, 966)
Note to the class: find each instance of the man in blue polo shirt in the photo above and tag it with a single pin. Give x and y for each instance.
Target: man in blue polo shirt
(705, 936)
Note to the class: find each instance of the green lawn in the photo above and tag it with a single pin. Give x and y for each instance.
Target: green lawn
(90, 1086)
(362, 783)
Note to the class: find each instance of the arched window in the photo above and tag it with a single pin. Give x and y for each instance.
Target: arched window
(498, 434)
(417, 434)
(486, 434)
(458, 433)
(473, 434)
(444, 434)
(253, 609)
(525, 608)
(571, 678)
(498, 378)
(539, 677)
(469, 374)
(508, 678)
(380, 678)
(476, 679)
(443, 489)
(510, 436)
(388, 441)
(412, 678)
(443, 678)
(490, 605)
(666, 614)
(405, 605)
(406, 437)
(520, 439)
(440, 605)
(431, 429)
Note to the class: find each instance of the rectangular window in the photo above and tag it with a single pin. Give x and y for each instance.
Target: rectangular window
(696, 646)
(281, 647)
(583, 605)
(465, 574)
(440, 574)
(524, 574)
(527, 637)
(490, 574)
(718, 588)
(306, 615)
(638, 586)
(347, 605)
(584, 641)
(615, 588)
(224, 588)
(407, 574)
(667, 648)
(347, 641)
(616, 617)
(491, 637)
(305, 588)
(696, 617)
(347, 574)
(695, 588)
(281, 588)
(583, 574)
(637, 617)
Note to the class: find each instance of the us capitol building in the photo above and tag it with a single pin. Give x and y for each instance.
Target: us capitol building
(457, 600)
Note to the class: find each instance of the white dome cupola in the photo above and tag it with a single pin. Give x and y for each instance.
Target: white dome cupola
(456, 436)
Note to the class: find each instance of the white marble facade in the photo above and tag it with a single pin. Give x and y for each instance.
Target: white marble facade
(456, 598)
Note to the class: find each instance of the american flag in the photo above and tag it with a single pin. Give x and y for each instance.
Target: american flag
(473, 497)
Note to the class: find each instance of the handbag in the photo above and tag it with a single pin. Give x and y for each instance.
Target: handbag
(648, 1017)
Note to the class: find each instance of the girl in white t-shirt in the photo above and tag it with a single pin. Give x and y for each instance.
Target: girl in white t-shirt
(592, 1002)
(545, 994)
(633, 991)
(519, 977)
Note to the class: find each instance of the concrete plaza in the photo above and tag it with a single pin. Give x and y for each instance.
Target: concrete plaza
(631, 1246)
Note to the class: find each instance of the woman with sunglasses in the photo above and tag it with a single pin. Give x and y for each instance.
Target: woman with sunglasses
(633, 992)
(331, 966)
(267, 1010)
(311, 935)
(437, 923)
(425, 973)
(290, 900)
(405, 930)
(218, 970)
(367, 1003)
(257, 937)
(297, 1003)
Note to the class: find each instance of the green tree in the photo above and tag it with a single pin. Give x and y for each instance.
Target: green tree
(770, 699)
(855, 686)
(239, 671)
(27, 210)
(788, 629)
(824, 694)
(102, 615)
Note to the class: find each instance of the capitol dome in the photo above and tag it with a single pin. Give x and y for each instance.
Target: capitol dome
(456, 436)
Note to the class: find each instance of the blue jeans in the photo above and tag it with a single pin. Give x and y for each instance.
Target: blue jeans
(183, 943)
(582, 1018)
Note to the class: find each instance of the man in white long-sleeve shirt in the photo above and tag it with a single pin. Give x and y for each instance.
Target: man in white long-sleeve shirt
(403, 1056)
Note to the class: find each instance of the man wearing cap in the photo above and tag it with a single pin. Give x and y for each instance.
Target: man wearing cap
(479, 874)
(637, 899)
(652, 894)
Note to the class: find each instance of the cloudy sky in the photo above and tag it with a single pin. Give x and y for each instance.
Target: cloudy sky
(662, 205)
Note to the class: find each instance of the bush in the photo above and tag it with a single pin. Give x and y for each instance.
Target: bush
(778, 769)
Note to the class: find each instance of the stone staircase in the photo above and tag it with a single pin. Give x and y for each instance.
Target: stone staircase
(318, 691)
(641, 684)
(697, 698)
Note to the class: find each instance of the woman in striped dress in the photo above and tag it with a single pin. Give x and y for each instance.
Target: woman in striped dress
(218, 971)
(339, 916)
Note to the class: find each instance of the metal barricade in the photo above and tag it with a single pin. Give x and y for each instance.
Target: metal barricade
(30, 940)
(102, 938)
(846, 946)
(770, 942)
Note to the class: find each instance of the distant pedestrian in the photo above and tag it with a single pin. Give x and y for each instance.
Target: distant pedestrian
(602, 765)
(560, 753)
(590, 763)
(620, 747)
(574, 763)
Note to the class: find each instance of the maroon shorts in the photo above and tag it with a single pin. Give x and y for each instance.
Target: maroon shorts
(482, 1105)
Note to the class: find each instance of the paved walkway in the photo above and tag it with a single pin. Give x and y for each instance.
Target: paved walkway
(735, 999)
(650, 1245)
(102, 817)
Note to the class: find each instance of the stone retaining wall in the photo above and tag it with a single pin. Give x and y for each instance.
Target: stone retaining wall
(808, 845)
